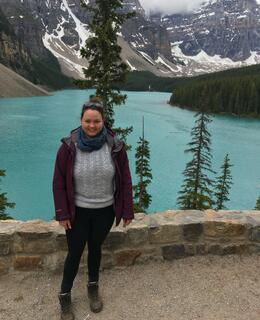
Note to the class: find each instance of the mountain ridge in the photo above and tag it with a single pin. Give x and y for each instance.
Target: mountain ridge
(168, 46)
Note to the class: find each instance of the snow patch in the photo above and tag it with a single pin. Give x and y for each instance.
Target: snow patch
(131, 66)
(80, 27)
(147, 57)
(68, 54)
(159, 60)
(48, 3)
(52, 45)
(203, 63)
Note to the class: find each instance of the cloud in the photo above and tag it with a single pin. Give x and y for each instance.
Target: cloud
(171, 6)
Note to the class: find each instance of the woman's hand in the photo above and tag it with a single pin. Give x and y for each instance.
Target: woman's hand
(126, 222)
(65, 224)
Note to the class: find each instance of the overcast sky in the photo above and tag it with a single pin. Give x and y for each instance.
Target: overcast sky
(172, 6)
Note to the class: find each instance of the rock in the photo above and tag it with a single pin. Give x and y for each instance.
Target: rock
(192, 232)
(126, 257)
(115, 239)
(54, 262)
(4, 265)
(165, 234)
(27, 263)
(136, 235)
(4, 248)
(174, 252)
(224, 230)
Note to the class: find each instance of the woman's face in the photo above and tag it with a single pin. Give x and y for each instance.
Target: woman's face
(92, 122)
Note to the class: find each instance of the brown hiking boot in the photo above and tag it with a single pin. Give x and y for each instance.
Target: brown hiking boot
(95, 301)
(65, 304)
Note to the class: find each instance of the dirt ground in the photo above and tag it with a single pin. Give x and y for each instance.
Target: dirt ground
(201, 287)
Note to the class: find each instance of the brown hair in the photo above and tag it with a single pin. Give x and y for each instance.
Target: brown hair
(94, 103)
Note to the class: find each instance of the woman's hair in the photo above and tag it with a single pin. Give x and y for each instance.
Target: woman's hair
(94, 103)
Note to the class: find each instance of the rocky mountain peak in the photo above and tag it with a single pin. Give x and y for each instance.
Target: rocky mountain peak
(220, 34)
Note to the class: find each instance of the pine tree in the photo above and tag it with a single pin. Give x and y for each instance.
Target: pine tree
(142, 198)
(196, 190)
(103, 54)
(223, 184)
(4, 202)
(257, 206)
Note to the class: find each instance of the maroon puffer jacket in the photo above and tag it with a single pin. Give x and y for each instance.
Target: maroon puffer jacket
(63, 186)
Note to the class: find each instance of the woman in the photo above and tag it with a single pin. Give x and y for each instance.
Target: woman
(91, 186)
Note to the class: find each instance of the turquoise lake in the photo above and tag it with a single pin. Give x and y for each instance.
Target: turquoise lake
(31, 129)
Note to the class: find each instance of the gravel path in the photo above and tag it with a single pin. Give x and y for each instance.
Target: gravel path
(202, 287)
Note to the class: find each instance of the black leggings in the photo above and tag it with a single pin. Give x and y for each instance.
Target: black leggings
(91, 226)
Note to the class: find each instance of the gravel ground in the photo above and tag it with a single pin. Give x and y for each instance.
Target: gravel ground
(201, 287)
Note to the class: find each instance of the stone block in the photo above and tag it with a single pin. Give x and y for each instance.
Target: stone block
(224, 231)
(115, 240)
(149, 255)
(4, 248)
(254, 248)
(38, 245)
(126, 257)
(235, 249)
(174, 252)
(215, 249)
(26, 263)
(107, 261)
(31, 233)
(4, 265)
(61, 242)
(254, 234)
(190, 249)
(165, 234)
(192, 232)
(137, 235)
(54, 262)
(201, 249)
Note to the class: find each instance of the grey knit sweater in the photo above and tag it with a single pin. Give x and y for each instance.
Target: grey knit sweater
(94, 178)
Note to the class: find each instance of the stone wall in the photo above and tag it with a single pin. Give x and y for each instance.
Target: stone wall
(39, 245)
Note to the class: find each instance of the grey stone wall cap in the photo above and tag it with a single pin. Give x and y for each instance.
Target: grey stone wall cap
(168, 217)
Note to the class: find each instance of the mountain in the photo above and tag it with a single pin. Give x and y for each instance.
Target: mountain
(14, 85)
(13, 53)
(221, 34)
(22, 49)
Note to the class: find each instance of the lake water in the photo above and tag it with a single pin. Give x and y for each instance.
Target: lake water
(31, 128)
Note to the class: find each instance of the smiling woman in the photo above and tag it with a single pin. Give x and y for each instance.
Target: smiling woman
(92, 187)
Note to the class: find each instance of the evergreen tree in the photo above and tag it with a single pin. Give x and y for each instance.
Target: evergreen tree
(196, 190)
(142, 198)
(223, 184)
(4, 202)
(103, 54)
(257, 206)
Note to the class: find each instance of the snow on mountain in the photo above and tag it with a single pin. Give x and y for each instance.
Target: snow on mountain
(218, 35)
(203, 63)
(55, 40)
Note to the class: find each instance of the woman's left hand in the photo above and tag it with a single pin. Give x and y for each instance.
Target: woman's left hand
(126, 222)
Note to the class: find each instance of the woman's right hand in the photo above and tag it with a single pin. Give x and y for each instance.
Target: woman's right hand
(65, 224)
